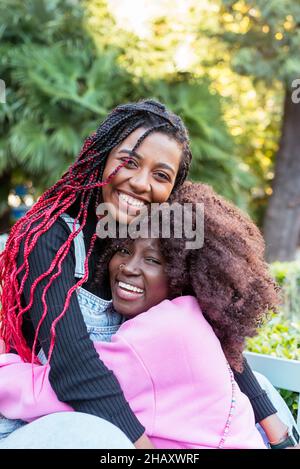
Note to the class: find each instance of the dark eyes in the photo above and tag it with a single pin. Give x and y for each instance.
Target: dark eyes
(131, 163)
(126, 252)
(123, 251)
(154, 261)
(163, 176)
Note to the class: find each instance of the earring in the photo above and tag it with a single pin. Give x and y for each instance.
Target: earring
(121, 266)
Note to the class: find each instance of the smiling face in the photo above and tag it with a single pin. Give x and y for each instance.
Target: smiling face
(148, 177)
(141, 281)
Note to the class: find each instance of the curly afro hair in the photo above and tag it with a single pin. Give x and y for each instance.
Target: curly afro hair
(227, 275)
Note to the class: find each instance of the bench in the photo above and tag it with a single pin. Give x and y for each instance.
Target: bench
(282, 373)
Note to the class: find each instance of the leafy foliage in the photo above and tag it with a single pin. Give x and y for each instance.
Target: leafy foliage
(58, 88)
(265, 37)
(279, 338)
(287, 275)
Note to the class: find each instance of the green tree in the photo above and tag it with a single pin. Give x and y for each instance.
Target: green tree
(265, 41)
(58, 89)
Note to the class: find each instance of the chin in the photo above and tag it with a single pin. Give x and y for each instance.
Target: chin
(128, 314)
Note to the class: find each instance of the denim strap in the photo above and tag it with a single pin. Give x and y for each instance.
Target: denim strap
(80, 253)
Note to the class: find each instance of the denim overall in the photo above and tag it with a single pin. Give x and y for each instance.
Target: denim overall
(100, 318)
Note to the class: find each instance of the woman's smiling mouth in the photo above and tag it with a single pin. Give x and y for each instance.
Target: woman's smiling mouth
(130, 200)
(130, 204)
(126, 291)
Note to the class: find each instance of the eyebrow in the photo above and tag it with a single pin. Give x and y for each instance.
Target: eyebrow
(154, 249)
(139, 157)
(150, 248)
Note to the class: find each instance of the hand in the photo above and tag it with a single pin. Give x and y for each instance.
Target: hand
(143, 443)
(2, 346)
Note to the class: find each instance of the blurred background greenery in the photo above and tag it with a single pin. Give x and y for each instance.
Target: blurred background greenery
(226, 66)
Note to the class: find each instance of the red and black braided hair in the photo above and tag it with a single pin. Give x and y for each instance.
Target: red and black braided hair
(81, 183)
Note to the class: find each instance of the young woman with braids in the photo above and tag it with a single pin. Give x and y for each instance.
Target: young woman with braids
(140, 154)
(183, 390)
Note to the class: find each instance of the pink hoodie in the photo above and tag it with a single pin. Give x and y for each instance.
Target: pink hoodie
(174, 375)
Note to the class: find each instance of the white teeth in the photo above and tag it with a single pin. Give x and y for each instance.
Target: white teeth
(131, 200)
(130, 287)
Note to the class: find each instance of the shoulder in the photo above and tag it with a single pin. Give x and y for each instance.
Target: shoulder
(175, 312)
(48, 239)
(170, 317)
(171, 339)
(171, 328)
(58, 228)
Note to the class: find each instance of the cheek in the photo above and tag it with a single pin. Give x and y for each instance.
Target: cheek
(159, 287)
(112, 268)
(111, 164)
(115, 181)
(106, 189)
(161, 192)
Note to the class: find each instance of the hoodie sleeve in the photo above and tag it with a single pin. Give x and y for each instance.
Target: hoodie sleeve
(26, 392)
(22, 395)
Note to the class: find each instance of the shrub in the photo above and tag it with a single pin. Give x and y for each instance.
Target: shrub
(287, 274)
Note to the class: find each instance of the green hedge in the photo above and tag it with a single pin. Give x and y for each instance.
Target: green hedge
(287, 274)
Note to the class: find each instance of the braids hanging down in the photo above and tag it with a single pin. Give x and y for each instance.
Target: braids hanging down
(81, 184)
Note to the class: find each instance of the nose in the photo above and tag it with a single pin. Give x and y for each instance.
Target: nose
(140, 182)
(131, 267)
